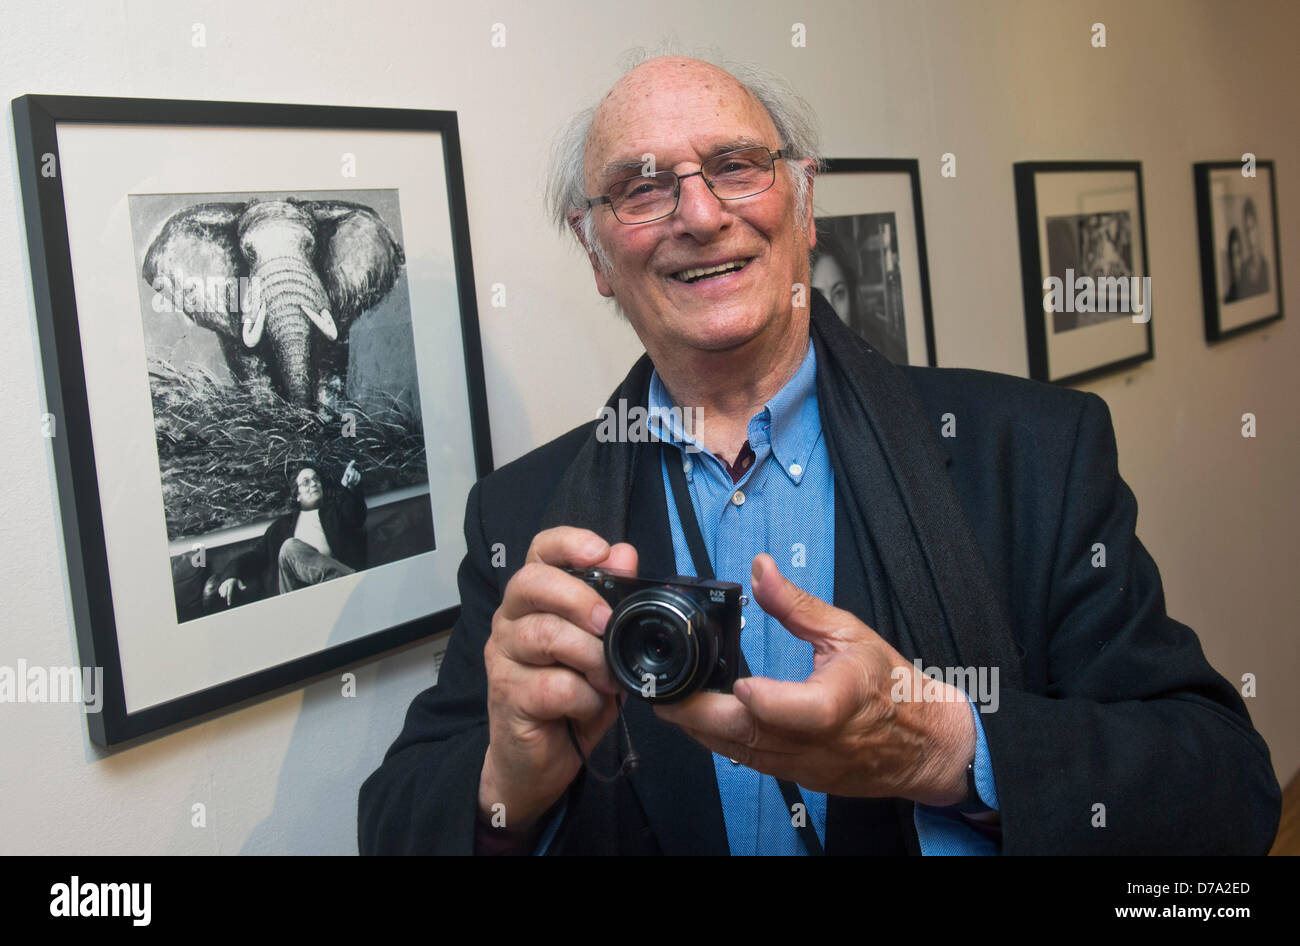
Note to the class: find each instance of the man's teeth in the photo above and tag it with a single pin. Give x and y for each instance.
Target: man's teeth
(692, 275)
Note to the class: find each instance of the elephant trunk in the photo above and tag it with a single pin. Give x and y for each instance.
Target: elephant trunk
(290, 300)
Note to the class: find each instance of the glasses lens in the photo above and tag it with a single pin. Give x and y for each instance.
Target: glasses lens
(645, 197)
(740, 173)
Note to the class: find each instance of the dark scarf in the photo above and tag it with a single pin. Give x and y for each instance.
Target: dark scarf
(917, 549)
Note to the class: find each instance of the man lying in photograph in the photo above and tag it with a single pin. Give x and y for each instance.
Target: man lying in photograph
(323, 538)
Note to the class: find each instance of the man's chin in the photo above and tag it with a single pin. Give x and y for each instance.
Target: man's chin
(702, 325)
(724, 329)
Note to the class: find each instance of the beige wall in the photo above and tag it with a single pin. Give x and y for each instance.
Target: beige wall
(992, 82)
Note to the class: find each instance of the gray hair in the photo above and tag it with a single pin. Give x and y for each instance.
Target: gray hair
(793, 117)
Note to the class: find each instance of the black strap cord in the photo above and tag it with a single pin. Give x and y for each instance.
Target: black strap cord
(704, 569)
(630, 762)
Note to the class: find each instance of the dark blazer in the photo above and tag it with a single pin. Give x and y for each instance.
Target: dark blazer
(342, 519)
(1119, 706)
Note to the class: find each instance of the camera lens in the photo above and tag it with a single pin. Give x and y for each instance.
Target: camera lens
(659, 648)
(659, 644)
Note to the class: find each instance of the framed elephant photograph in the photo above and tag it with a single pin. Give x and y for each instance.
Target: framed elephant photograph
(264, 386)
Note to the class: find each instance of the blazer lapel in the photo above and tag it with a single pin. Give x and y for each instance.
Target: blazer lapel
(675, 781)
(862, 825)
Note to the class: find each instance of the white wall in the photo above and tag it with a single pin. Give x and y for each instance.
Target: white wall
(993, 82)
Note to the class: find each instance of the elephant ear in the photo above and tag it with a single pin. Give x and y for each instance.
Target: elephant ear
(356, 255)
(197, 253)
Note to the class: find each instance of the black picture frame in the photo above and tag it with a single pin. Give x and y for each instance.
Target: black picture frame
(1208, 233)
(918, 321)
(1029, 210)
(37, 122)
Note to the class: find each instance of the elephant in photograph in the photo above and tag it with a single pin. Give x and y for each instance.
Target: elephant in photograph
(307, 269)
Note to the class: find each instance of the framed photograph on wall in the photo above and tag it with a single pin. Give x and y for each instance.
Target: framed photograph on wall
(264, 387)
(870, 258)
(1241, 258)
(1083, 259)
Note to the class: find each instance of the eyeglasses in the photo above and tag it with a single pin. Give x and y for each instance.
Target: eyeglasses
(730, 176)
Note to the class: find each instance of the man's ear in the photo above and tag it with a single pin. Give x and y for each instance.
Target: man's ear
(574, 219)
(809, 169)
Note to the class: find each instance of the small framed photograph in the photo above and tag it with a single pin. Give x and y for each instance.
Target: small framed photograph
(264, 387)
(1241, 258)
(870, 259)
(1083, 258)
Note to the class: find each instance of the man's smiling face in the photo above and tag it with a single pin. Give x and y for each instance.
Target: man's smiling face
(684, 112)
(310, 493)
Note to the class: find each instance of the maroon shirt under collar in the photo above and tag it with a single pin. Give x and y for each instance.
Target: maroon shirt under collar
(744, 460)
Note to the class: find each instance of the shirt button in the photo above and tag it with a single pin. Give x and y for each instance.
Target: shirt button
(734, 761)
(686, 466)
(738, 498)
(795, 469)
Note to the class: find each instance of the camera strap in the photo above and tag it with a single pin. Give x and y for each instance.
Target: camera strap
(704, 569)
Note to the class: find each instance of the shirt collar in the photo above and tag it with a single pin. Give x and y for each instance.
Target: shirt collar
(790, 421)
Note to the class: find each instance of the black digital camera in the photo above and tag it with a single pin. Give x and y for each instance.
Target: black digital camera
(667, 639)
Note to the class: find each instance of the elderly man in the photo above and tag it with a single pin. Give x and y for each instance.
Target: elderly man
(819, 479)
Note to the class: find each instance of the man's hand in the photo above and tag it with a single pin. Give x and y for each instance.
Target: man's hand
(227, 589)
(840, 731)
(546, 663)
(350, 476)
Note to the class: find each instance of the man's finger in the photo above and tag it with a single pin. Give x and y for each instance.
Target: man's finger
(541, 588)
(818, 704)
(724, 718)
(547, 693)
(711, 711)
(803, 615)
(544, 639)
(622, 557)
(567, 546)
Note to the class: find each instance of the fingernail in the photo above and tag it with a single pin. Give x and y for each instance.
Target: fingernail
(599, 617)
(596, 548)
(755, 572)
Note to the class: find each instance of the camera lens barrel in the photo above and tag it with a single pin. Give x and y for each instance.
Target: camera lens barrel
(660, 644)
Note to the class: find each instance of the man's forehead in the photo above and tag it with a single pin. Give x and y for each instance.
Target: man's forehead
(633, 155)
(674, 109)
(304, 473)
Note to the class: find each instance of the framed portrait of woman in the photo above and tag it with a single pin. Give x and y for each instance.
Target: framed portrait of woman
(870, 259)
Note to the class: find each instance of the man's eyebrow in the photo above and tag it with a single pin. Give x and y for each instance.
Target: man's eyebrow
(624, 165)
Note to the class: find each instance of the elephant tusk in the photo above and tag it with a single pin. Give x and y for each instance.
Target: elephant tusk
(323, 322)
(253, 326)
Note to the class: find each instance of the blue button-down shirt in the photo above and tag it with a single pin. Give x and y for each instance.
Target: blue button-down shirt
(784, 505)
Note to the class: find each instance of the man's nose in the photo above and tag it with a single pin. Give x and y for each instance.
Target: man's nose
(699, 211)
